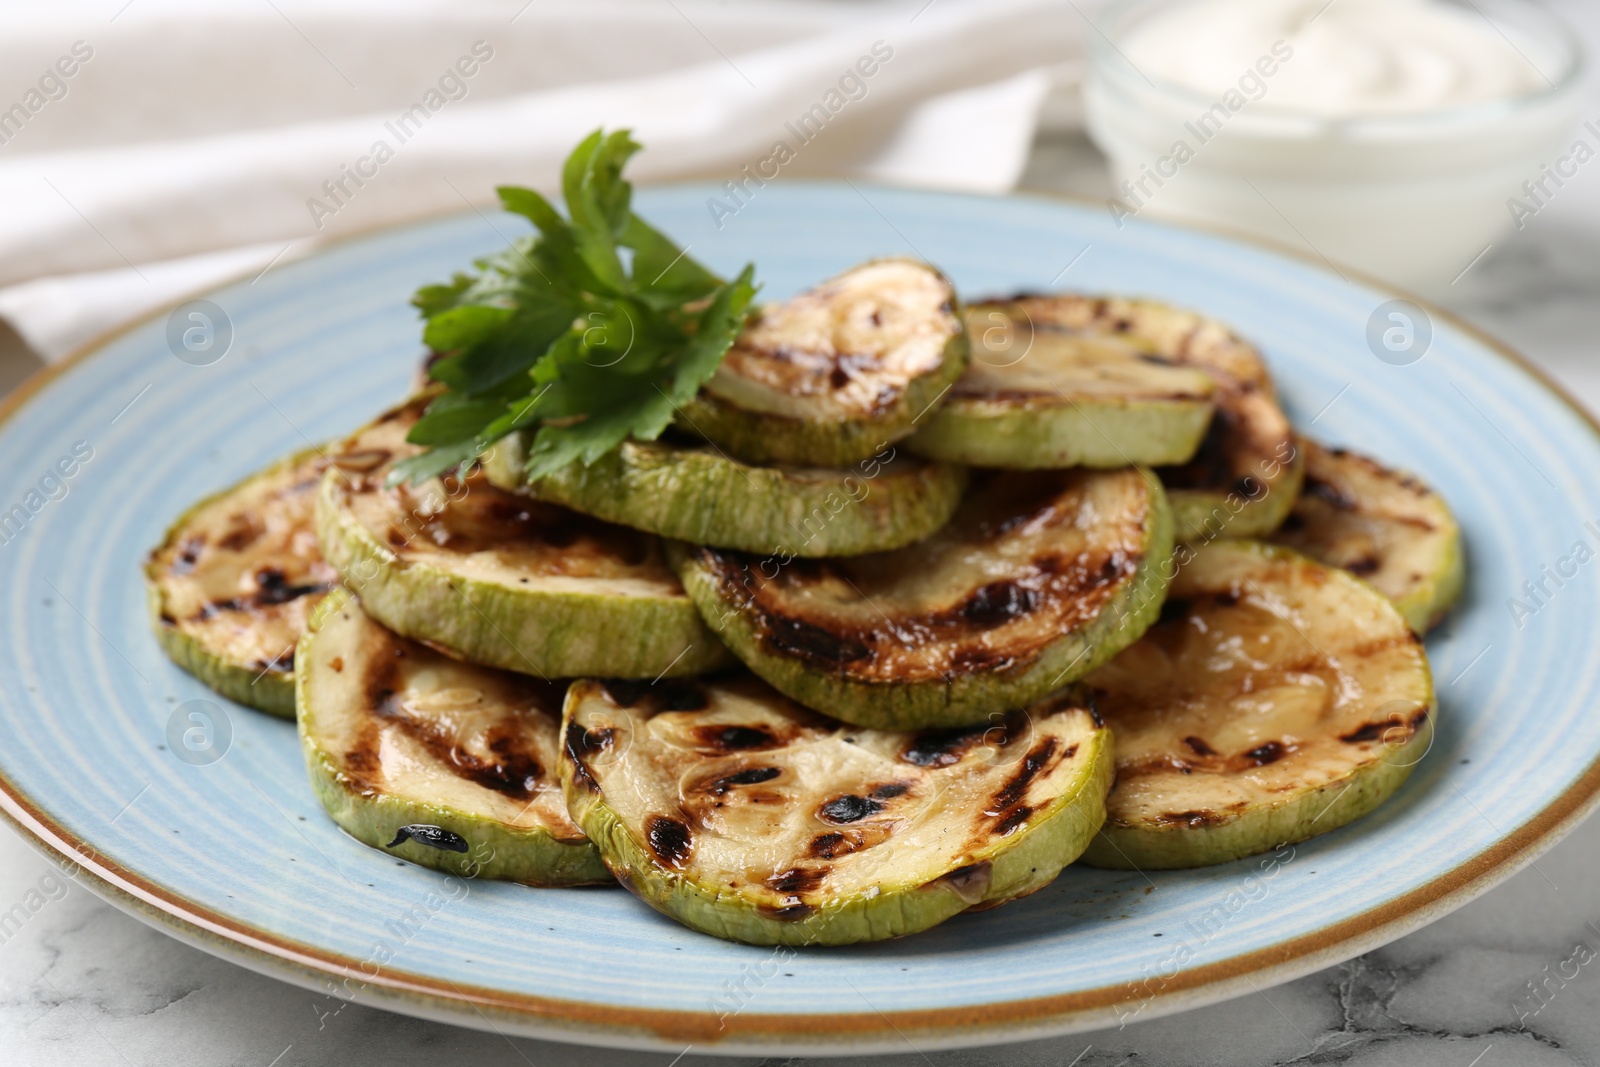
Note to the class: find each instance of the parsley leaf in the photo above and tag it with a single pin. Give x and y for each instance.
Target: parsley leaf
(567, 333)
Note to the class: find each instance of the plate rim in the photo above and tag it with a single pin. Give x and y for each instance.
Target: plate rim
(994, 1022)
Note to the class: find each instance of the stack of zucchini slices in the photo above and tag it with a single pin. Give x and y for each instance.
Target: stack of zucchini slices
(912, 607)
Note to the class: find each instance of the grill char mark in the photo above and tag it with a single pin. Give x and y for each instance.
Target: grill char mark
(513, 771)
(247, 531)
(273, 587)
(1012, 820)
(377, 689)
(188, 556)
(273, 590)
(813, 643)
(997, 603)
(750, 776)
(669, 839)
(1068, 592)
(1263, 754)
(1033, 765)
(1330, 494)
(1006, 807)
(1366, 732)
(830, 845)
(848, 808)
(580, 744)
(1374, 731)
(485, 518)
(735, 738)
(940, 748)
(797, 881)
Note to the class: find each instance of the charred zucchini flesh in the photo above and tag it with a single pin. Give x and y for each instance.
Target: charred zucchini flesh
(438, 762)
(235, 580)
(1381, 525)
(741, 814)
(1180, 337)
(500, 579)
(832, 376)
(1067, 389)
(1040, 577)
(1276, 699)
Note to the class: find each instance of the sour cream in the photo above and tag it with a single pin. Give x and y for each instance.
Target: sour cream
(1389, 135)
(1350, 57)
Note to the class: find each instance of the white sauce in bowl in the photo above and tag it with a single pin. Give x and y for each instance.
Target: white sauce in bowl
(1350, 57)
(1392, 135)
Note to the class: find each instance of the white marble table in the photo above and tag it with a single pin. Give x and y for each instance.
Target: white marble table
(83, 984)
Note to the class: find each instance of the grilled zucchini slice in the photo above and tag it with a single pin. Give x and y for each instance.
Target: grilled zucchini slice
(499, 579)
(435, 761)
(695, 492)
(1068, 390)
(742, 815)
(834, 375)
(1278, 698)
(234, 581)
(1243, 478)
(1041, 576)
(1381, 525)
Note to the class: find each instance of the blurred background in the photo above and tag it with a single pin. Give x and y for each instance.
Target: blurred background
(149, 148)
(153, 148)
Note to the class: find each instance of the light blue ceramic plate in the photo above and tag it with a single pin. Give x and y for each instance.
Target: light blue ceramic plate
(237, 857)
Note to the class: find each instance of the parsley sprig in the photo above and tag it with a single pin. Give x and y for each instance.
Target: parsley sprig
(565, 332)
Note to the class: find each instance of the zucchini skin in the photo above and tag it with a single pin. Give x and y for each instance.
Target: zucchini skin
(987, 434)
(270, 691)
(705, 498)
(531, 856)
(1058, 835)
(531, 631)
(965, 699)
(1290, 822)
(1424, 611)
(757, 437)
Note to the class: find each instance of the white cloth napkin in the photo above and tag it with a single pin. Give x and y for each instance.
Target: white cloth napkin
(172, 144)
